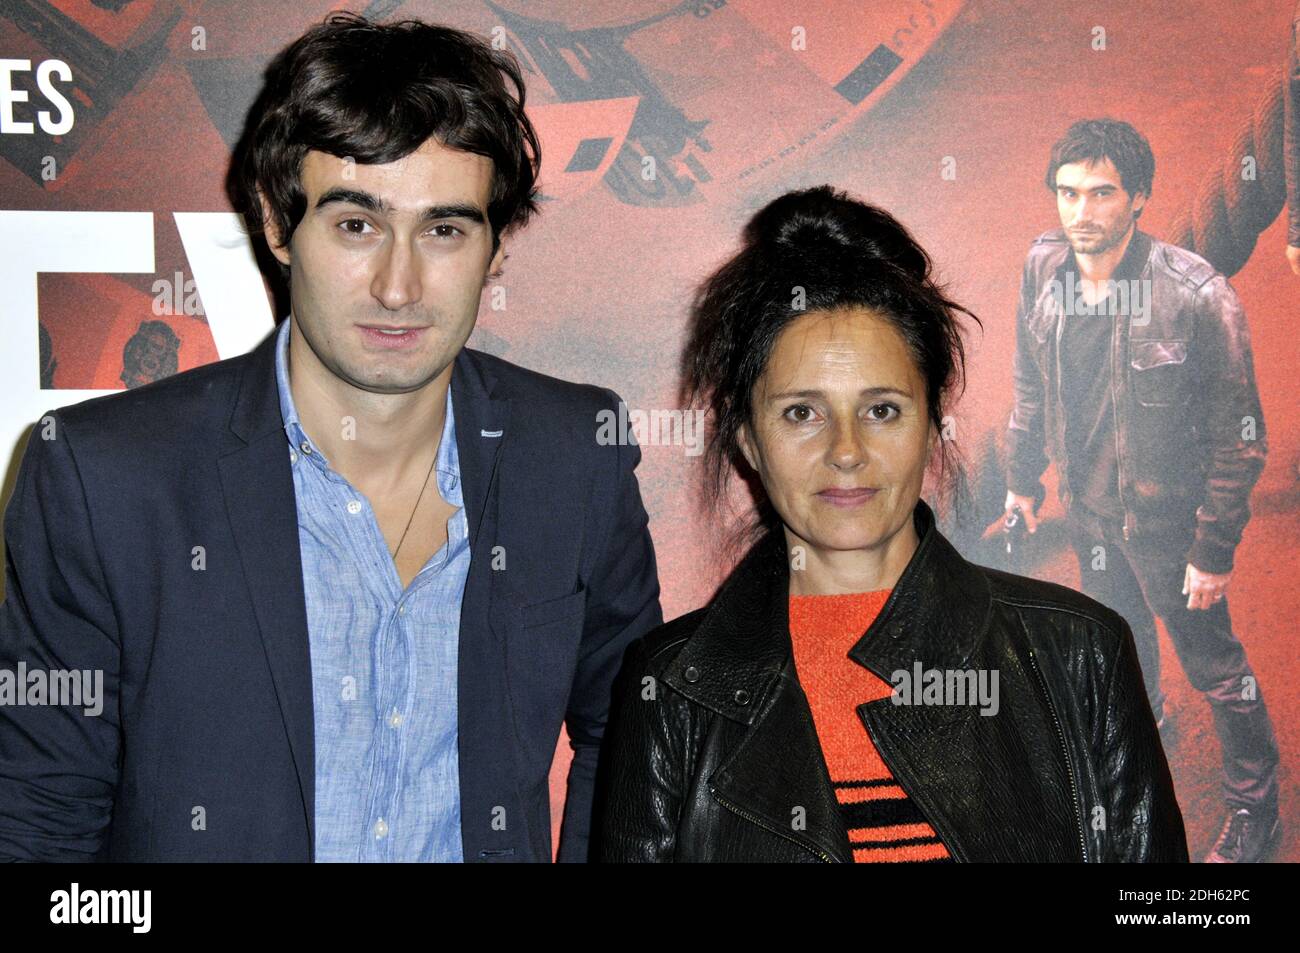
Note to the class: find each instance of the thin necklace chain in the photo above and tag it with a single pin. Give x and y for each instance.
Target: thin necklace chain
(416, 507)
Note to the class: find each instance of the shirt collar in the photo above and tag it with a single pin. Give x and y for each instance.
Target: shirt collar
(447, 463)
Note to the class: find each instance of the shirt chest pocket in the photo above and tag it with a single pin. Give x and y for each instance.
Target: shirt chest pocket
(1158, 372)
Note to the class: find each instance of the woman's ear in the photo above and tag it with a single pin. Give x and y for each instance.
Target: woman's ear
(746, 447)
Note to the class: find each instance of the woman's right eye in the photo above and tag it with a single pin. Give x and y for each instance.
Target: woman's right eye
(795, 409)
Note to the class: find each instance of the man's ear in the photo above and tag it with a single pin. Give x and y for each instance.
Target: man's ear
(272, 229)
(1139, 203)
(746, 446)
(498, 259)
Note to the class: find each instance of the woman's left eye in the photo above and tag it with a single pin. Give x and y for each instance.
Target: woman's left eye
(888, 407)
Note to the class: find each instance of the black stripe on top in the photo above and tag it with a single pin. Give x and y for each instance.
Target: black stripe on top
(881, 812)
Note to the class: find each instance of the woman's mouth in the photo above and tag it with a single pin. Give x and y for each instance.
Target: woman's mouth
(847, 498)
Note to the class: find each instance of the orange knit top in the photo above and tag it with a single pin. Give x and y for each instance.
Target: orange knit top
(883, 823)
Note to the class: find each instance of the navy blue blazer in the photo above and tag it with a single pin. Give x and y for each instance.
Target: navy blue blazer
(204, 748)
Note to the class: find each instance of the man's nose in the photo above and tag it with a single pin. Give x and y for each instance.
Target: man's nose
(397, 281)
(1083, 210)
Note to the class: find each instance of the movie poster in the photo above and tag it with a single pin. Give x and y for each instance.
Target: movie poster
(664, 125)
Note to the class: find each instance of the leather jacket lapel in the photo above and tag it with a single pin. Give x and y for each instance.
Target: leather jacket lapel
(938, 617)
(739, 665)
(777, 775)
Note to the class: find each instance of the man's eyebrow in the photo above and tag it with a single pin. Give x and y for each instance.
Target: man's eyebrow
(865, 392)
(374, 203)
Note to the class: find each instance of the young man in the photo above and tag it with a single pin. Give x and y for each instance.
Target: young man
(345, 589)
(1133, 372)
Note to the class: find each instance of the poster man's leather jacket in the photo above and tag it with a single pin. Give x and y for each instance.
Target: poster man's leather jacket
(1189, 430)
(711, 753)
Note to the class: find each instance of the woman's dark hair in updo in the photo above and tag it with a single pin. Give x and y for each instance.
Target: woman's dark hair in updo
(842, 253)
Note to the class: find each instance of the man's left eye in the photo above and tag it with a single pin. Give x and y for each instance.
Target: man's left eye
(452, 230)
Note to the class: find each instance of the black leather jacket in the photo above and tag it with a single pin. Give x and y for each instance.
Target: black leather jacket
(710, 750)
(1183, 383)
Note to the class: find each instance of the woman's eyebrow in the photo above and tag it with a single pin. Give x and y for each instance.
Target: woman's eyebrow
(865, 392)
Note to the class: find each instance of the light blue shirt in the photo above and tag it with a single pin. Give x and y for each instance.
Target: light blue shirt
(383, 661)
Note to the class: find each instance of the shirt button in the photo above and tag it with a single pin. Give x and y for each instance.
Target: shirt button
(381, 829)
(354, 507)
(692, 674)
(293, 456)
(401, 610)
(306, 448)
(395, 719)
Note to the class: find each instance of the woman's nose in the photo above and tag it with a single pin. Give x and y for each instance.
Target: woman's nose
(846, 452)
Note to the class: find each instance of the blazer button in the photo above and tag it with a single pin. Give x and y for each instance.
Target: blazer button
(741, 697)
(692, 674)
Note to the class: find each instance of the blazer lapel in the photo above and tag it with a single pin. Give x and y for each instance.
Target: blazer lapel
(482, 710)
(257, 483)
(481, 423)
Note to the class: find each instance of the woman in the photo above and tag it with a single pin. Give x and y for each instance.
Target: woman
(856, 690)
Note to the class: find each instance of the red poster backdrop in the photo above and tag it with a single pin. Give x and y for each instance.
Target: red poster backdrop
(942, 111)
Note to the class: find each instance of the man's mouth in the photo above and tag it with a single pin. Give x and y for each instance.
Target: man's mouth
(391, 336)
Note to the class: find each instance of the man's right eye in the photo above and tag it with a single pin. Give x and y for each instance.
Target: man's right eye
(348, 222)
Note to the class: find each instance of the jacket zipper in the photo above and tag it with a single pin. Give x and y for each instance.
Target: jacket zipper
(821, 855)
(1069, 762)
(1114, 407)
(1058, 425)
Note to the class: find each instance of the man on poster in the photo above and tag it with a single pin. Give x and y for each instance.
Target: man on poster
(1133, 372)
